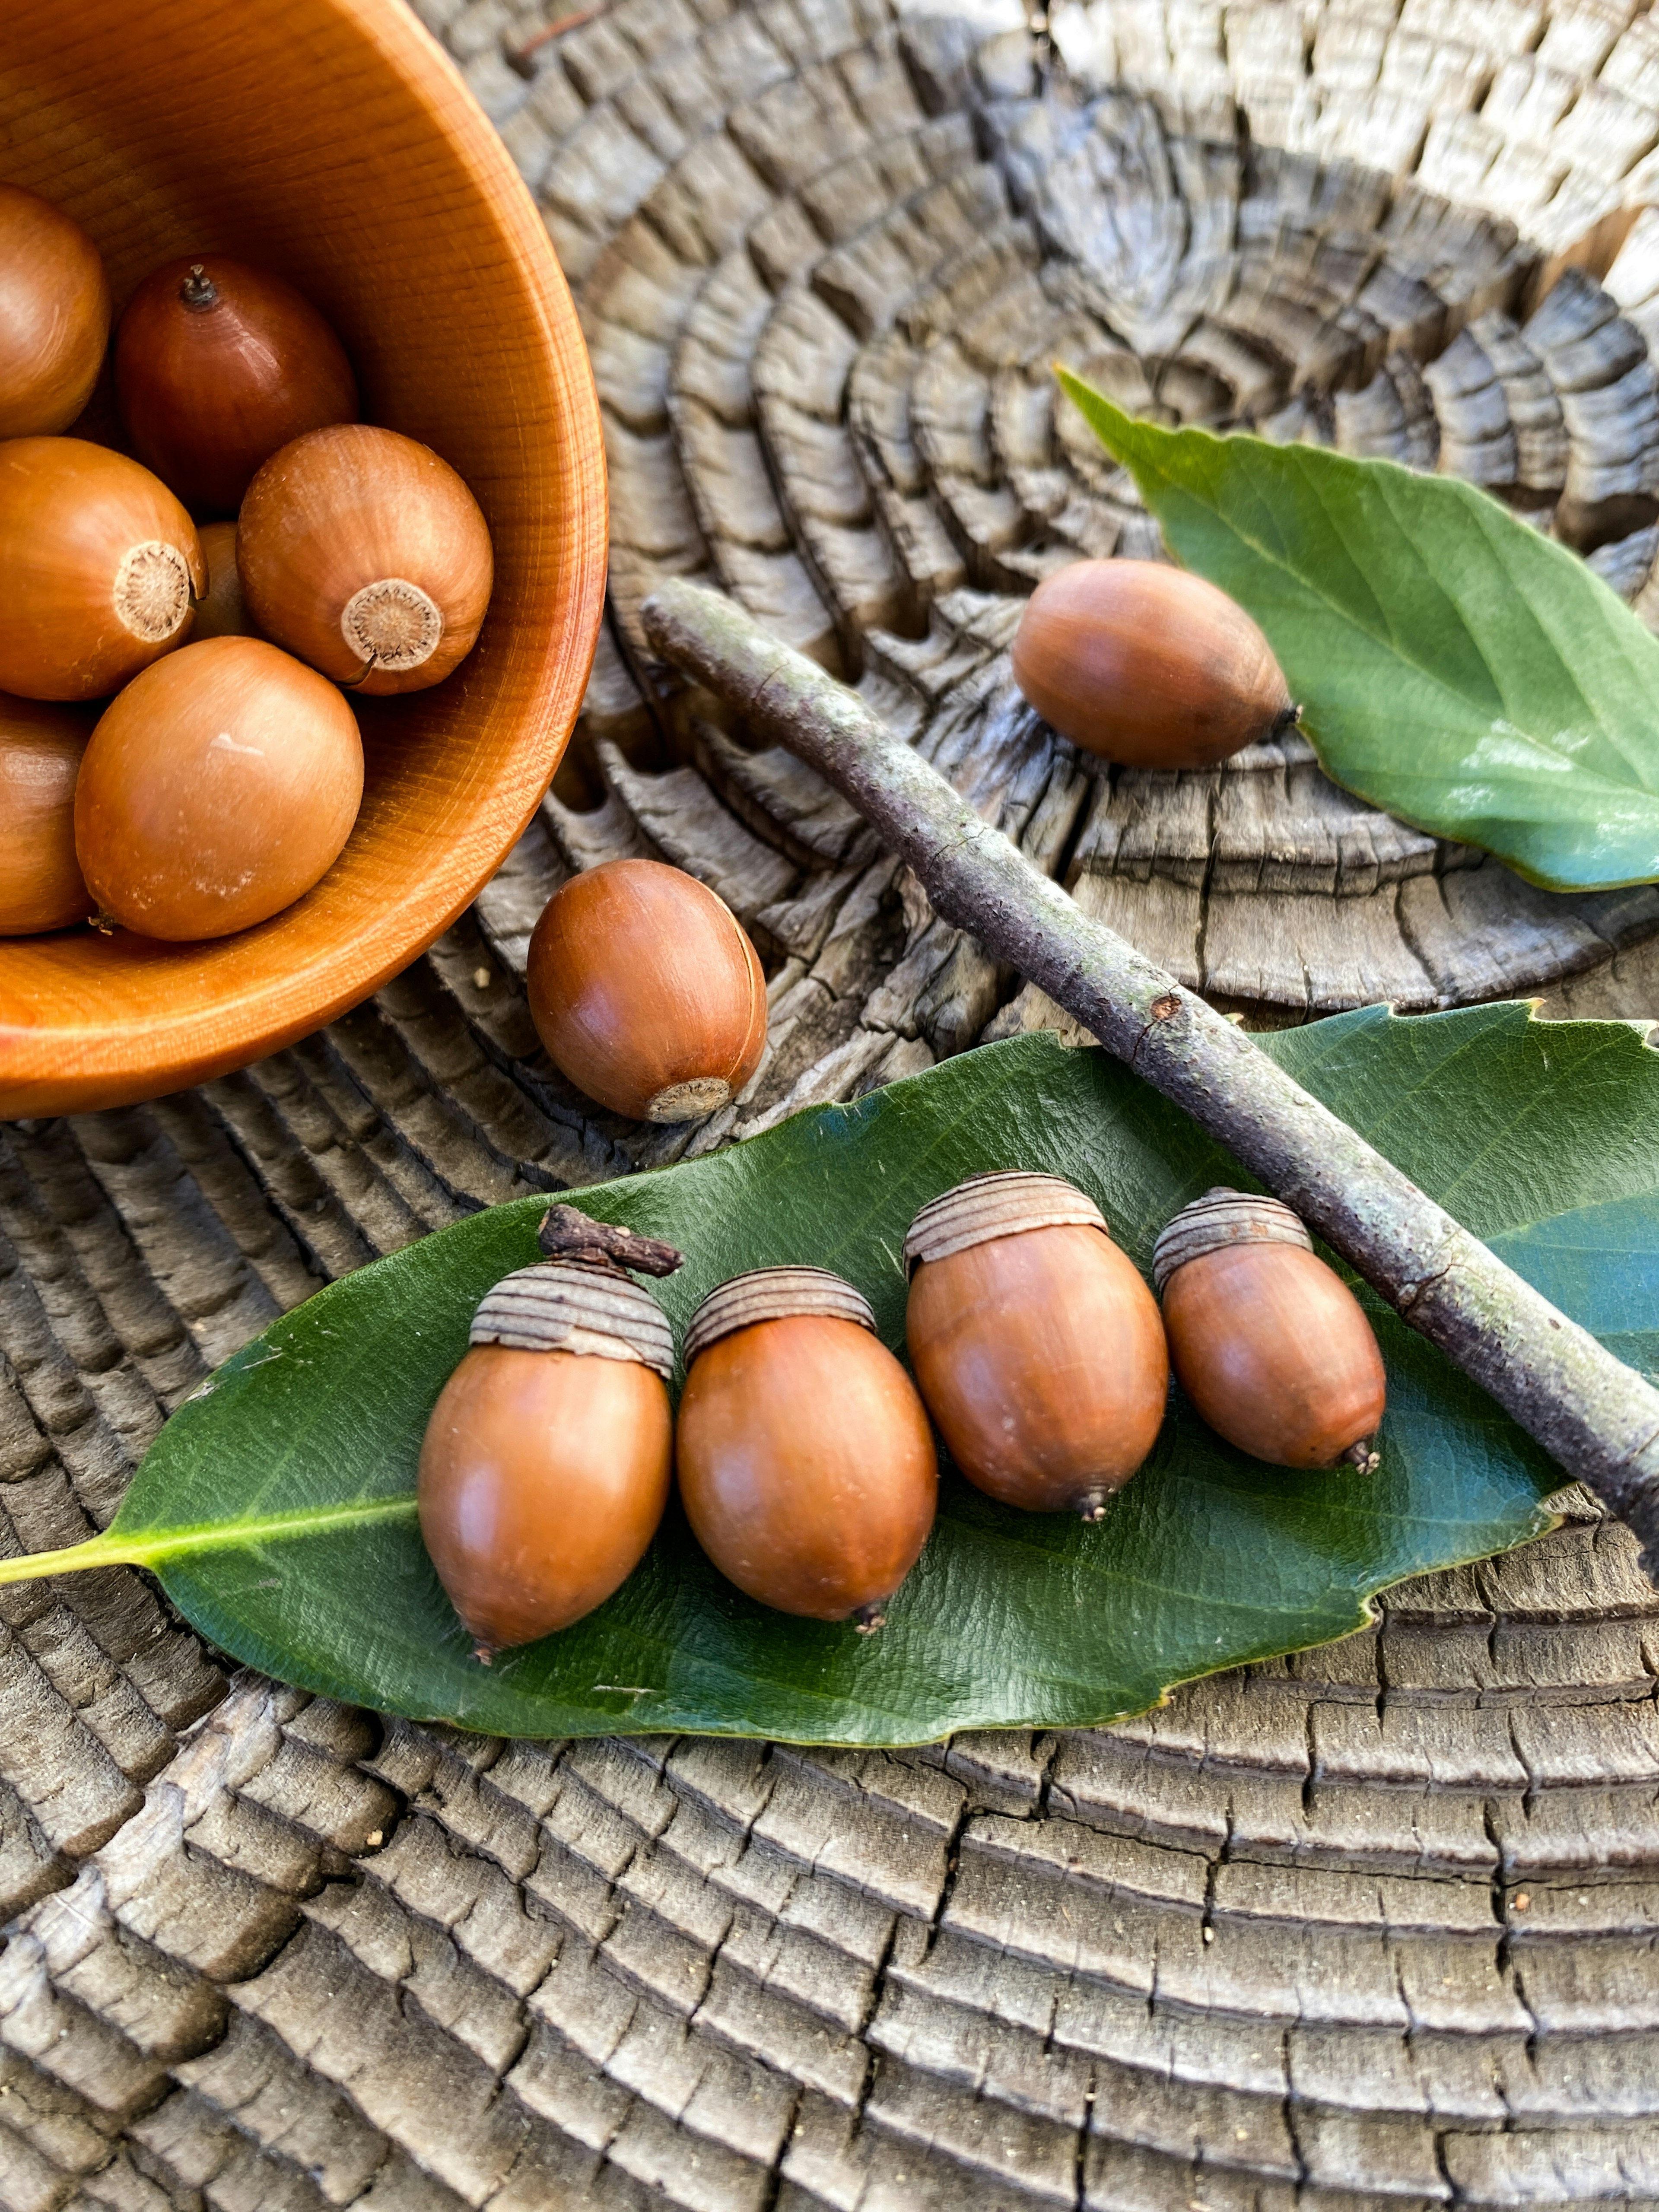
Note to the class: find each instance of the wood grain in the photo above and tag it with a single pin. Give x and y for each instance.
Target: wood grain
(330, 141)
(268, 1952)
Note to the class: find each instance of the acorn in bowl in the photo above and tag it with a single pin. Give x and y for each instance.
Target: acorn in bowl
(416, 241)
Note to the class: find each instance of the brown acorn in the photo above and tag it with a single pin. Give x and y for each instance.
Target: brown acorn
(54, 315)
(1271, 1345)
(806, 1466)
(41, 886)
(219, 787)
(647, 992)
(217, 365)
(223, 611)
(102, 566)
(1037, 1348)
(365, 554)
(1148, 664)
(546, 1463)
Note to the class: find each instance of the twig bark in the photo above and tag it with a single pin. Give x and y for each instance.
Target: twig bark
(1596, 1417)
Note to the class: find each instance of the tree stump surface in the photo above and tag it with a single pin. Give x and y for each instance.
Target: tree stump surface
(1370, 1927)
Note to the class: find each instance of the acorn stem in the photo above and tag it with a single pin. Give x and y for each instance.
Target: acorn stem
(198, 290)
(869, 1618)
(1092, 1506)
(1362, 1456)
(351, 683)
(572, 1237)
(1596, 1416)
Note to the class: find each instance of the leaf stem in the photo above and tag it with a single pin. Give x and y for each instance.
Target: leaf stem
(75, 1558)
(1596, 1417)
(115, 1548)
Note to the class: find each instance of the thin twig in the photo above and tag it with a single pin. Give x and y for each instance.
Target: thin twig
(522, 56)
(1596, 1416)
(566, 1235)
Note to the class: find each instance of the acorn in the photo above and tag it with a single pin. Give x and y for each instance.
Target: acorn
(1148, 665)
(54, 316)
(217, 365)
(1271, 1345)
(219, 787)
(1036, 1346)
(806, 1466)
(645, 991)
(365, 554)
(41, 886)
(223, 611)
(545, 1466)
(101, 566)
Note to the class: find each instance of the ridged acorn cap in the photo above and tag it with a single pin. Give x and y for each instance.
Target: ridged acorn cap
(1000, 1204)
(559, 1306)
(774, 1294)
(1224, 1217)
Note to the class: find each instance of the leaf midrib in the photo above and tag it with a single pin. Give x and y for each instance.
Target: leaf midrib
(145, 1546)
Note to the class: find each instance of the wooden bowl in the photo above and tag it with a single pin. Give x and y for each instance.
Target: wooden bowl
(333, 141)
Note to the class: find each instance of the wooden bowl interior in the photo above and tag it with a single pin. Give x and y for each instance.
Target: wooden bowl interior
(331, 140)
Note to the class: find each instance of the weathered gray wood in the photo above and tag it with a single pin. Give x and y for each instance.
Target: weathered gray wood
(269, 1954)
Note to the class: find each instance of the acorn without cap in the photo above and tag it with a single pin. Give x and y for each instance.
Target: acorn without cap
(102, 566)
(545, 1466)
(366, 554)
(1037, 1347)
(1148, 664)
(645, 991)
(806, 1462)
(1271, 1345)
(54, 315)
(41, 748)
(217, 365)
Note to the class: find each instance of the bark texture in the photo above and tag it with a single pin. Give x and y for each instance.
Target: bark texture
(1368, 1927)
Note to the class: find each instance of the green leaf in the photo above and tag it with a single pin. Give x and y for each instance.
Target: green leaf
(276, 1506)
(1454, 665)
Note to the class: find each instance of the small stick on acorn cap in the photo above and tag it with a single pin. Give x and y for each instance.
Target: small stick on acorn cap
(574, 1237)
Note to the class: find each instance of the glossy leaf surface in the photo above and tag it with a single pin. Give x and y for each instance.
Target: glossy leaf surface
(1453, 665)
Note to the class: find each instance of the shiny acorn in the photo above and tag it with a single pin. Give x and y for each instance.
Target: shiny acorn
(41, 886)
(217, 365)
(1148, 664)
(365, 554)
(54, 315)
(805, 1463)
(545, 1466)
(102, 567)
(645, 991)
(224, 609)
(219, 787)
(1270, 1345)
(1036, 1346)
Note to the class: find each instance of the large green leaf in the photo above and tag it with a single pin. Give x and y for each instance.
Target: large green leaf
(276, 1504)
(1454, 665)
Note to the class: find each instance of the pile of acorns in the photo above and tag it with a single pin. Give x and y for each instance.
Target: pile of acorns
(805, 1457)
(223, 775)
(805, 1461)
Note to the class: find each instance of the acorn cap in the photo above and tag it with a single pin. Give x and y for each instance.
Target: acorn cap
(561, 1306)
(1000, 1204)
(774, 1294)
(1224, 1217)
